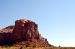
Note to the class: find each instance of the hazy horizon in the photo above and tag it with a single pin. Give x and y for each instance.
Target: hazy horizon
(55, 18)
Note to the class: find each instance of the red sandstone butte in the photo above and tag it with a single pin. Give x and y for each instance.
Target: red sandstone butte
(25, 32)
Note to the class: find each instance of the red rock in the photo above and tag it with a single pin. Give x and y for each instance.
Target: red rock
(26, 29)
(25, 32)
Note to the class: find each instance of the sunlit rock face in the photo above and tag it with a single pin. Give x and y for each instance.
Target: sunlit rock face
(26, 29)
(8, 29)
(25, 32)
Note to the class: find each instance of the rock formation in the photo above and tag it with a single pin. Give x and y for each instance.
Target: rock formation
(25, 32)
(26, 29)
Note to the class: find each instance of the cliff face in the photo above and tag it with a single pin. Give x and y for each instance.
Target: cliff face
(25, 32)
(26, 29)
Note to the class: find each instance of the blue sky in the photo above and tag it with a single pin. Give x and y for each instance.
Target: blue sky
(56, 18)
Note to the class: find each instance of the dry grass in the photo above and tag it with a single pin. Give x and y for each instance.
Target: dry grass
(14, 47)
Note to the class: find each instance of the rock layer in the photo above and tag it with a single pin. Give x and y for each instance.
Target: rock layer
(25, 32)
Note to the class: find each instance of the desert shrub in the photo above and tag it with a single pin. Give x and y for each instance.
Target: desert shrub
(21, 47)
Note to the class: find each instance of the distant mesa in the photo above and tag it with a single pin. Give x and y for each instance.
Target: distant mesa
(24, 32)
